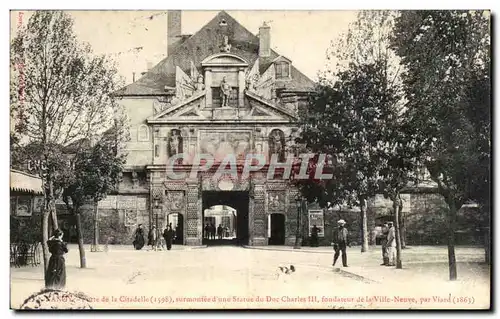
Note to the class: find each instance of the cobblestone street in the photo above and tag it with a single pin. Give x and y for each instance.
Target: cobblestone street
(234, 277)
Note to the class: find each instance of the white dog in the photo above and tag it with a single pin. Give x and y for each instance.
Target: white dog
(283, 272)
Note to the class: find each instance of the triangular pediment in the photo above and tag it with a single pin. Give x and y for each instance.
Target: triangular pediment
(188, 109)
(262, 108)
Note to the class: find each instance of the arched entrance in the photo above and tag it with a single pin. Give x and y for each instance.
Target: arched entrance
(229, 210)
(277, 229)
(177, 222)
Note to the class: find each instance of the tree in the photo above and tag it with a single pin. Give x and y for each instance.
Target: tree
(357, 98)
(102, 168)
(60, 94)
(446, 55)
(347, 122)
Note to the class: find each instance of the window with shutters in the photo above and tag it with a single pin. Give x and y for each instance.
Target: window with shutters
(282, 70)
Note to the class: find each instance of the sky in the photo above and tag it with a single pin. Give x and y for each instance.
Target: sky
(133, 38)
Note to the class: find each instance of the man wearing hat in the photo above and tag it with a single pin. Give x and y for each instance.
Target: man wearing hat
(385, 256)
(340, 242)
(391, 244)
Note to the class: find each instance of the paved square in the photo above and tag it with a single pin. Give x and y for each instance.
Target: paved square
(235, 277)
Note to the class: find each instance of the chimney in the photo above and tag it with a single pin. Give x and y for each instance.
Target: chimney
(264, 41)
(149, 66)
(173, 29)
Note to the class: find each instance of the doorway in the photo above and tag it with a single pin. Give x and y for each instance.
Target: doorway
(177, 222)
(277, 229)
(225, 218)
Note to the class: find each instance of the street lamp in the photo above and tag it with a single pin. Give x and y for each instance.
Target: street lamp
(298, 234)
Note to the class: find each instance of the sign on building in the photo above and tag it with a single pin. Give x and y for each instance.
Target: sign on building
(316, 217)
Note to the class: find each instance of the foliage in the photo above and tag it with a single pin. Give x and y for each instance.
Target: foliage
(447, 83)
(61, 98)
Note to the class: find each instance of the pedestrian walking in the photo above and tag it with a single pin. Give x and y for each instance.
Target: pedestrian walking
(340, 242)
(383, 242)
(152, 237)
(168, 235)
(391, 245)
(55, 276)
(138, 238)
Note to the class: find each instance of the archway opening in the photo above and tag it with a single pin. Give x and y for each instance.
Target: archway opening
(225, 218)
(277, 229)
(176, 221)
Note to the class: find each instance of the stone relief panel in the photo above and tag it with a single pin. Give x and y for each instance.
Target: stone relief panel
(175, 201)
(219, 144)
(276, 202)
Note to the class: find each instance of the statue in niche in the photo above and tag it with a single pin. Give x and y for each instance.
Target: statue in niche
(225, 91)
(277, 144)
(199, 85)
(174, 143)
(225, 47)
(135, 179)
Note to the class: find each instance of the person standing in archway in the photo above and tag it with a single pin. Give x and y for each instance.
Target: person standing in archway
(219, 231)
(168, 235)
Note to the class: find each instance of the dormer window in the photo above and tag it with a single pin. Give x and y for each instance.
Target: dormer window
(282, 70)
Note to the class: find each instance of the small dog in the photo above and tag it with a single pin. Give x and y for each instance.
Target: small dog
(282, 272)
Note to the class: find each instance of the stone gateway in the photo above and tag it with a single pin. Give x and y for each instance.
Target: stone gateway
(221, 91)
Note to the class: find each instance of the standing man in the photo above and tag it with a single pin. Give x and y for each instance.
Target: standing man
(314, 236)
(383, 242)
(340, 242)
(225, 90)
(391, 245)
(219, 231)
(207, 231)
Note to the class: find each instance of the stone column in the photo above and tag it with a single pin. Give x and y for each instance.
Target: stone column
(241, 88)
(193, 214)
(258, 217)
(208, 88)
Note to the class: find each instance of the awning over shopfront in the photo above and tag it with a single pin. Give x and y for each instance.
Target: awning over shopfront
(24, 182)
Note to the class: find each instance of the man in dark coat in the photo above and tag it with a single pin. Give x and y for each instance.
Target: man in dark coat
(168, 235)
(219, 231)
(207, 231)
(314, 236)
(340, 242)
(139, 238)
(55, 276)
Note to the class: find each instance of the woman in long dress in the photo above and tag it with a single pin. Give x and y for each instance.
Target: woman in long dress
(55, 276)
(139, 238)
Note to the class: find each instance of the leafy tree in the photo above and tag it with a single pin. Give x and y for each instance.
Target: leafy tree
(357, 102)
(60, 95)
(446, 55)
(347, 122)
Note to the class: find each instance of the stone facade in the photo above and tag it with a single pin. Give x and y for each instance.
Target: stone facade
(215, 94)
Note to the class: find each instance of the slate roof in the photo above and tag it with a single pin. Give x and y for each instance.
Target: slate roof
(199, 46)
